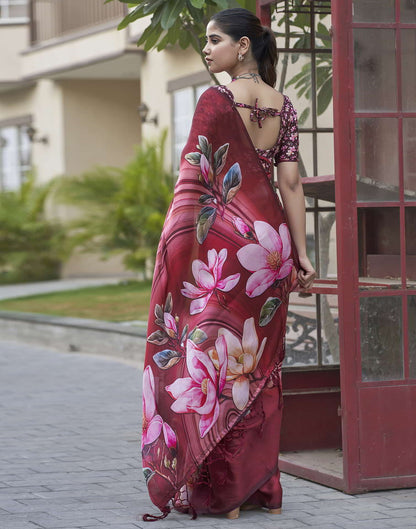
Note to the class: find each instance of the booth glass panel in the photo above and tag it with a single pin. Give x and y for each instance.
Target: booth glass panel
(375, 70)
(407, 11)
(373, 11)
(409, 158)
(410, 227)
(381, 338)
(408, 69)
(377, 159)
(411, 314)
(379, 248)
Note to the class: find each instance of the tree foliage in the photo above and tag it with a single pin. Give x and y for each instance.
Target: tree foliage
(181, 22)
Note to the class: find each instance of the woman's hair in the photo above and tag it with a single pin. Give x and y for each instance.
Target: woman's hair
(239, 22)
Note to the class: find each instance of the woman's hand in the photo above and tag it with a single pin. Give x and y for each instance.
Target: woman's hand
(306, 274)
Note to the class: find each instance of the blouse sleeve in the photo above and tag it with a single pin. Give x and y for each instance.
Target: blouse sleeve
(289, 145)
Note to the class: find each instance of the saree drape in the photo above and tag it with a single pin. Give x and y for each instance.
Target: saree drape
(224, 269)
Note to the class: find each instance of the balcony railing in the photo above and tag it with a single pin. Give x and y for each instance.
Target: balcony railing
(51, 19)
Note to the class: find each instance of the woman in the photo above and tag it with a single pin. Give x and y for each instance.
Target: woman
(227, 260)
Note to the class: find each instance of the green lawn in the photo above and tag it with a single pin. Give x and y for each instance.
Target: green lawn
(124, 302)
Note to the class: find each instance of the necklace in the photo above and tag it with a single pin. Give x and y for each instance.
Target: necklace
(247, 75)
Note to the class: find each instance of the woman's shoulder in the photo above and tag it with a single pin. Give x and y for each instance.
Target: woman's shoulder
(211, 107)
(213, 93)
(288, 109)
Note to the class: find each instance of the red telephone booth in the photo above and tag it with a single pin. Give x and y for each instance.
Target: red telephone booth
(350, 403)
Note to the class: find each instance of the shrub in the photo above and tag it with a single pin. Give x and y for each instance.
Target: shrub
(120, 210)
(32, 247)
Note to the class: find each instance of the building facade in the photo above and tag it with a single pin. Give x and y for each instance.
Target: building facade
(70, 88)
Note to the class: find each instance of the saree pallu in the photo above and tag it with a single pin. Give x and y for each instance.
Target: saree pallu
(212, 397)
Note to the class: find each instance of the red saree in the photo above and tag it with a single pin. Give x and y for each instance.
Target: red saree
(212, 398)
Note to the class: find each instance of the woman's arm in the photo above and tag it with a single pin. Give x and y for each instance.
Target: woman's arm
(291, 191)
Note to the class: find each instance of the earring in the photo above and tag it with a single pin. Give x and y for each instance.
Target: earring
(240, 57)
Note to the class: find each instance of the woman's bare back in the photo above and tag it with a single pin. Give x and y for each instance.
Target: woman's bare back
(247, 92)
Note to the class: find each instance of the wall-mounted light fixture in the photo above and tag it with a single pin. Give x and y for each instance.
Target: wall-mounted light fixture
(33, 138)
(143, 111)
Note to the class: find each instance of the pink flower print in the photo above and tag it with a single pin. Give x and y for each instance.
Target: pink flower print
(199, 393)
(208, 279)
(206, 169)
(243, 359)
(170, 325)
(269, 260)
(153, 424)
(242, 228)
(169, 435)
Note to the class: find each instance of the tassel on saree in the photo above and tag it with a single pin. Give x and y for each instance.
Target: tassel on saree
(154, 518)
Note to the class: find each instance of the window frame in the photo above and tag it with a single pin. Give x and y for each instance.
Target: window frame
(193, 81)
(20, 124)
(5, 5)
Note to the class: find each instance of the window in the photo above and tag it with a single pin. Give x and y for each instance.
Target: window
(13, 10)
(15, 156)
(184, 103)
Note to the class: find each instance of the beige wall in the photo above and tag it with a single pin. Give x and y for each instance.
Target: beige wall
(44, 103)
(13, 39)
(157, 69)
(87, 123)
(48, 160)
(100, 122)
(66, 54)
(100, 127)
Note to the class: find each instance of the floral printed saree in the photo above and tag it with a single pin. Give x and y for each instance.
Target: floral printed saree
(212, 397)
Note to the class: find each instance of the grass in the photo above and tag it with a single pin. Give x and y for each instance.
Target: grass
(126, 301)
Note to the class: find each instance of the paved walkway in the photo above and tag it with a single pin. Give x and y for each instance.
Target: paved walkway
(69, 456)
(45, 287)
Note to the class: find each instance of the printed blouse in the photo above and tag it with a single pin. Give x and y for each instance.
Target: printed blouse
(286, 148)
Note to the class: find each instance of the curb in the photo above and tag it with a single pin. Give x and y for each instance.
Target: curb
(75, 335)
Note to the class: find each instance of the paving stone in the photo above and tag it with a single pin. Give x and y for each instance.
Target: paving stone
(21, 525)
(404, 523)
(121, 526)
(69, 457)
(48, 521)
(403, 513)
(367, 524)
(370, 514)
